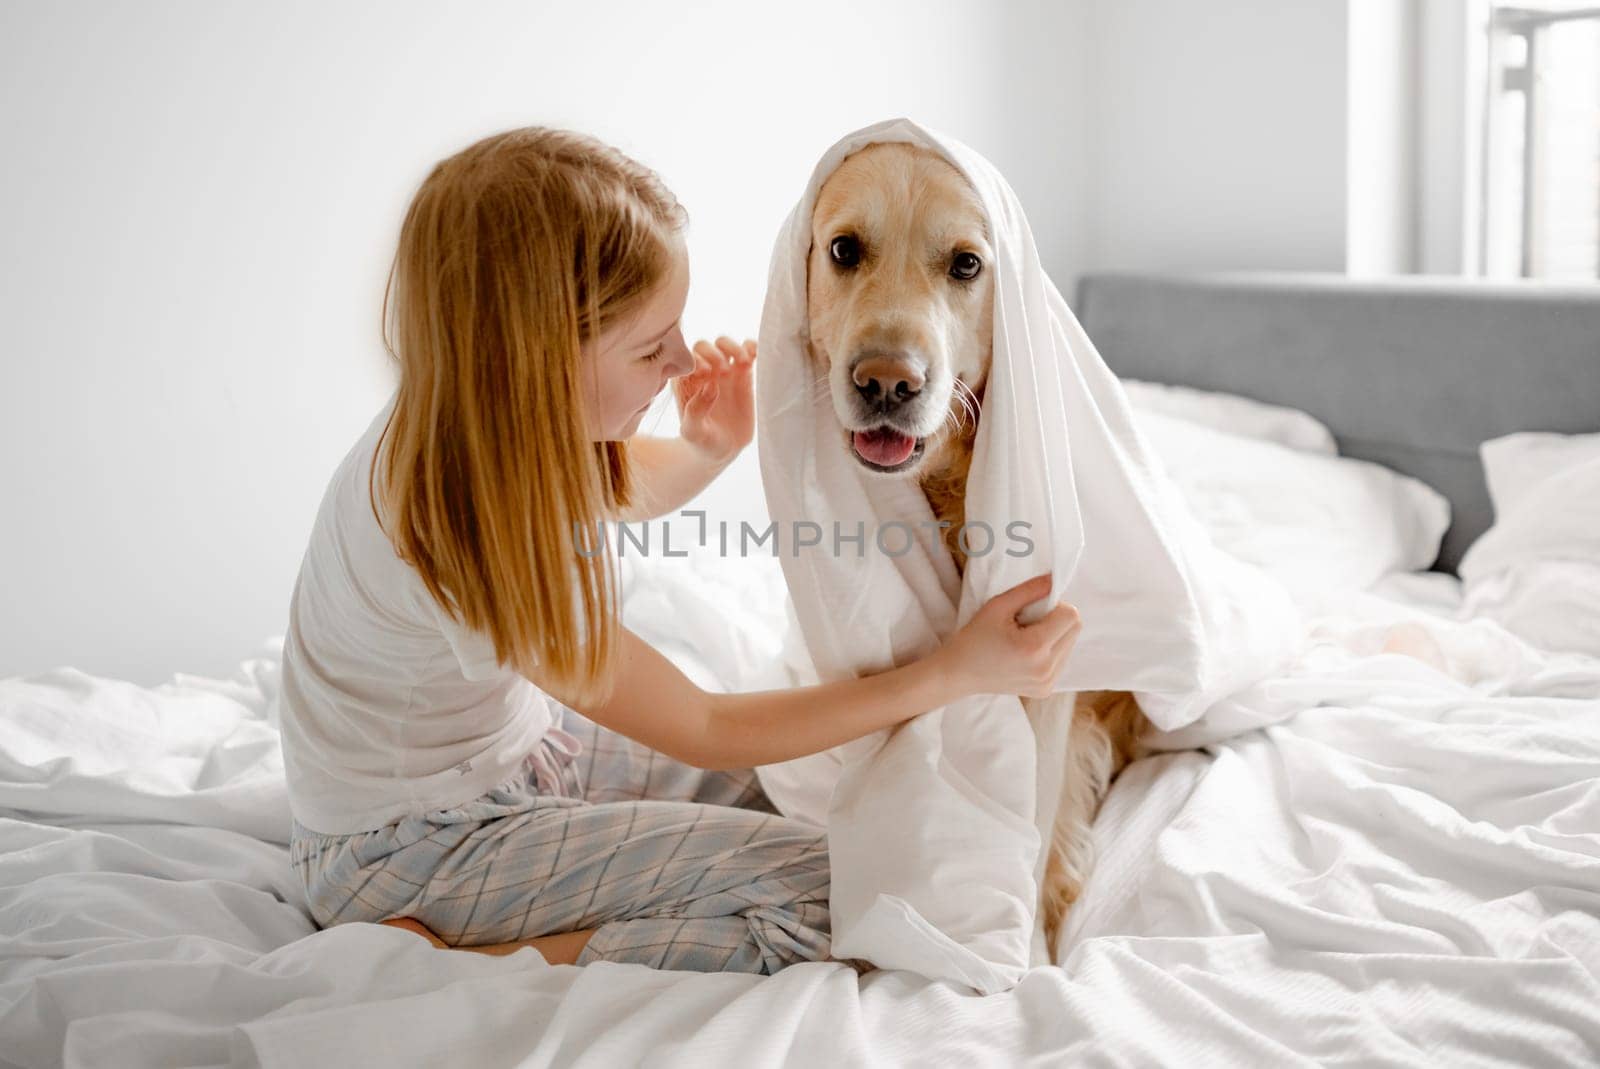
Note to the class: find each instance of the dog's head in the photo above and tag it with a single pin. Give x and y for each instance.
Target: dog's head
(900, 301)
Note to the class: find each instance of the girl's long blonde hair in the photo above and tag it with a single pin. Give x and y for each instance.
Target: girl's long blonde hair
(515, 253)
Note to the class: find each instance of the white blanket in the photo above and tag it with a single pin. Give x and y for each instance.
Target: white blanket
(934, 829)
(1407, 873)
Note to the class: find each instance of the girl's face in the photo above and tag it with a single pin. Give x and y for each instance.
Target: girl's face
(631, 363)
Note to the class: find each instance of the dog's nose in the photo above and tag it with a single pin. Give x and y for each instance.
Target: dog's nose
(887, 379)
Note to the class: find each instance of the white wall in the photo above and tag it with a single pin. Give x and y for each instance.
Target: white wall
(199, 200)
(1217, 135)
(1385, 114)
(1450, 138)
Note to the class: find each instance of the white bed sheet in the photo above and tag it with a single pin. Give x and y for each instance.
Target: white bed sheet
(1406, 873)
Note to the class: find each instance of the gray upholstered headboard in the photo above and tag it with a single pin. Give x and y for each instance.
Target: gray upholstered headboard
(1411, 373)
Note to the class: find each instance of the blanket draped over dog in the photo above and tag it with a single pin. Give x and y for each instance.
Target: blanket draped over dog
(935, 828)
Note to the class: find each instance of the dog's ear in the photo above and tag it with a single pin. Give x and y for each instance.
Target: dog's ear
(805, 320)
(814, 359)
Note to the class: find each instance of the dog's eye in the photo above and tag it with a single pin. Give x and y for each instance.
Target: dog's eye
(845, 250)
(965, 267)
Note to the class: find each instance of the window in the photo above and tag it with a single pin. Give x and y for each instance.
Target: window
(1540, 180)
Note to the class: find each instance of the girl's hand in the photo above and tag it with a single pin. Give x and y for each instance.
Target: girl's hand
(994, 654)
(716, 401)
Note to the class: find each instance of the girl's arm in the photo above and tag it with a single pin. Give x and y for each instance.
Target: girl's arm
(668, 473)
(657, 705)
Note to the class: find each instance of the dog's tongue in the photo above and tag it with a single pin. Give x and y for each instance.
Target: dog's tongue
(884, 447)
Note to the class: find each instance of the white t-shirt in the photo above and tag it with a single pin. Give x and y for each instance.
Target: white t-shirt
(390, 708)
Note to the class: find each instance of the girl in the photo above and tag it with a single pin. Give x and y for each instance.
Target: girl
(475, 747)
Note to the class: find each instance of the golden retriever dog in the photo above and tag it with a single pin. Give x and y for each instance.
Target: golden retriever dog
(900, 309)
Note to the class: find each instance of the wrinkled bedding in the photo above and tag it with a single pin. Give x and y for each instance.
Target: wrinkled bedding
(1404, 872)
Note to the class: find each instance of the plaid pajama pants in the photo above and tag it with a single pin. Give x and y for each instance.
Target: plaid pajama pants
(676, 867)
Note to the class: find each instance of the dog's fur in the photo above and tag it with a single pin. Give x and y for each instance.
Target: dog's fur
(898, 339)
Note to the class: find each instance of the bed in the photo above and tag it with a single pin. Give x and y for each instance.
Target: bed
(1404, 872)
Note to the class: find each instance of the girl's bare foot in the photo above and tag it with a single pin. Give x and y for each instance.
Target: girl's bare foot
(560, 949)
(418, 928)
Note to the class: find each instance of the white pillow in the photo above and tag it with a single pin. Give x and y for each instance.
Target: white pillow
(1233, 414)
(1514, 464)
(1311, 519)
(1536, 572)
